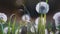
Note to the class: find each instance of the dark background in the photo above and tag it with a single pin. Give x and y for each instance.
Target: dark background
(10, 6)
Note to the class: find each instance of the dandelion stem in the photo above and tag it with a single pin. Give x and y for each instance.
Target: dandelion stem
(13, 26)
(40, 28)
(2, 28)
(53, 33)
(9, 28)
(19, 28)
(44, 21)
(46, 1)
(41, 23)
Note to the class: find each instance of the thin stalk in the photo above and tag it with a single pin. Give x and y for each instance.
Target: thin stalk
(28, 28)
(13, 26)
(18, 30)
(46, 1)
(9, 23)
(42, 26)
(44, 21)
(41, 23)
(53, 33)
(2, 28)
(27, 31)
(34, 30)
(9, 28)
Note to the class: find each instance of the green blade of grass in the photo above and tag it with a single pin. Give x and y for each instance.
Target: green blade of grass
(9, 27)
(40, 25)
(1, 21)
(2, 28)
(13, 26)
(44, 22)
(35, 30)
(18, 29)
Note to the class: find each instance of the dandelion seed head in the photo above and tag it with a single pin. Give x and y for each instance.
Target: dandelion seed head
(38, 19)
(32, 29)
(42, 7)
(36, 24)
(51, 32)
(26, 18)
(6, 30)
(3, 17)
(56, 17)
(57, 32)
(18, 31)
(46, 31)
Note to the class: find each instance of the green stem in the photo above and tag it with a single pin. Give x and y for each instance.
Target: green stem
(46, 1)
(9, 28)
(19, 29)
(13, 26)
(53, 32)
(41, 24)
(34, 30)
(44, 21)
(2, 28)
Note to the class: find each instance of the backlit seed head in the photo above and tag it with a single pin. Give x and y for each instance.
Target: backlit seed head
(5, 30)
(18, 31)
(3, 18)
(26, 18)
(56, 17)
(42, 7)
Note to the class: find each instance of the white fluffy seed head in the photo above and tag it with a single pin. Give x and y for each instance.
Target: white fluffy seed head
(36, 24)
(42, 7)
(51, 32)
(26, 18)
(18, 31)
(46, 31)
(38, 19)
(6, 30)
(57, 32)
(32, 29)
(56, 17)
(3, 17)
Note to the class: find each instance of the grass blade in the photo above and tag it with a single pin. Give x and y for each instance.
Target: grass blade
(13, 26)
(2, 25)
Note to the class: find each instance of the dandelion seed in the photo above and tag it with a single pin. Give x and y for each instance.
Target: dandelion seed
(32, 29)
(18, 31)
(56, 17)
(42, 7)
(36, 24)
(37, 21)
(3, 18)
(6, 30)
(46, 31)
(51, 32)
(57, 32)
(26, 18)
